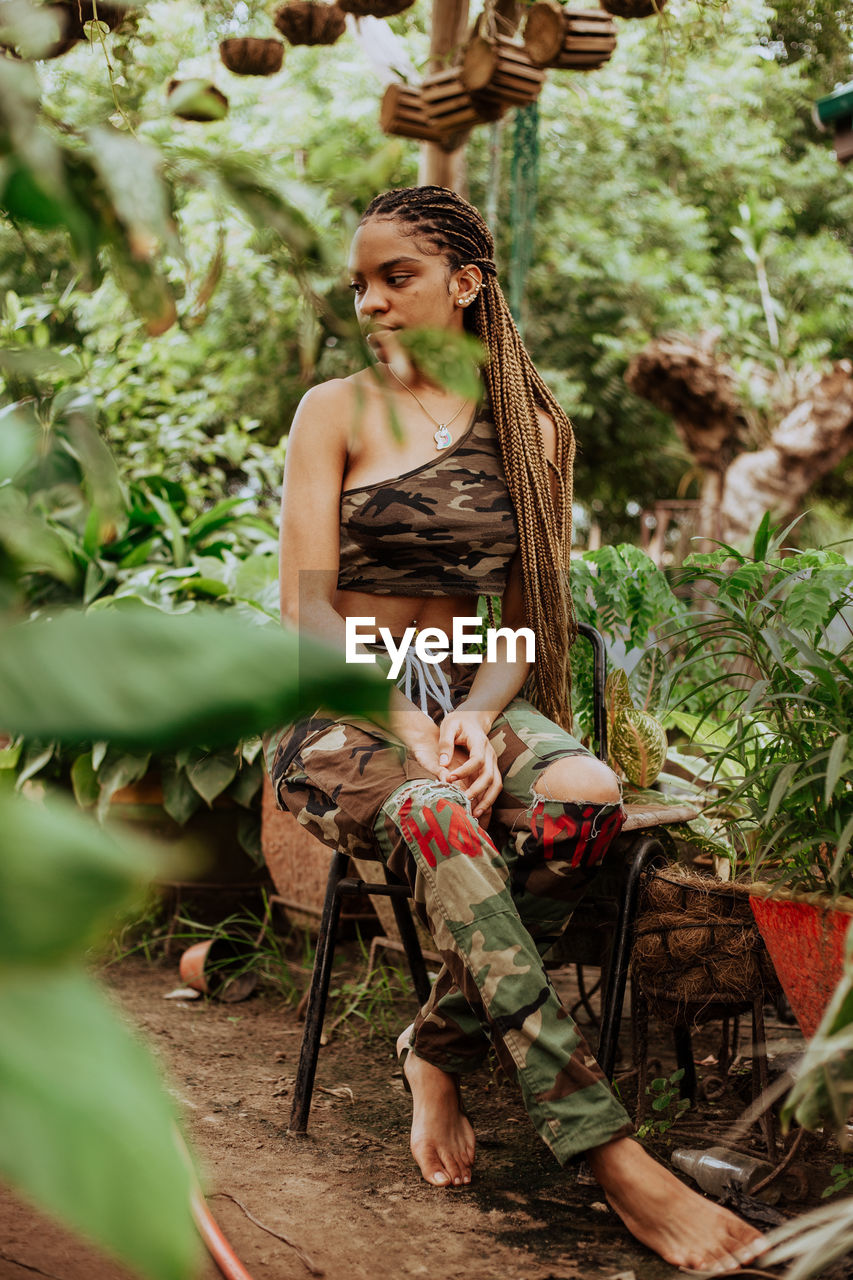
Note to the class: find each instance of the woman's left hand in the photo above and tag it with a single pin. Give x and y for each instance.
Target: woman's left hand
(478, 775)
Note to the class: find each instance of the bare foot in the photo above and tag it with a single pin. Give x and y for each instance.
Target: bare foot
(442, 1139)
(679, 1224)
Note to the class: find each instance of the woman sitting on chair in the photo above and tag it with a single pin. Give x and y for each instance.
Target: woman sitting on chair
(487, 806)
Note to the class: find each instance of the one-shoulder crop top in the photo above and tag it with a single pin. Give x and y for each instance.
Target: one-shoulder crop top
(442, 529)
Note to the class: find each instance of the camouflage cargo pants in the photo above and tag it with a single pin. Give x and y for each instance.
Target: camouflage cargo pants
(494, 901)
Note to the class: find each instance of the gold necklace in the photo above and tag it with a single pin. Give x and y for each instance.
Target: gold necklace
(441, 436)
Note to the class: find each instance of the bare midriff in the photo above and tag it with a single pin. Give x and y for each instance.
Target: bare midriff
(399, 612)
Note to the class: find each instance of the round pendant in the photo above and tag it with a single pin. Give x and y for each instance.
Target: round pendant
(442, 437)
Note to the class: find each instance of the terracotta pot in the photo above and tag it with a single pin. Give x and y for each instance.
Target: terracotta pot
(805, 939)
(217, 968)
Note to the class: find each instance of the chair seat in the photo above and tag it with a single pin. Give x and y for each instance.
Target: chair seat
(652, 809)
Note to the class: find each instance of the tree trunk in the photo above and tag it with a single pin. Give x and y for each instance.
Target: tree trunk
(683, 378)
(438, 167)
(812, 439)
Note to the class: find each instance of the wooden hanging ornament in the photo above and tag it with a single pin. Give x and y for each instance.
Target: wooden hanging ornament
(449, 106)
(309, 22)
(251, 55)
(499, 74)
(633, 8)
(569, 39)
(374, 8)
(404, 114)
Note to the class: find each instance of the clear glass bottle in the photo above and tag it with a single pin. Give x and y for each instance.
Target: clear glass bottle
(717, 1170)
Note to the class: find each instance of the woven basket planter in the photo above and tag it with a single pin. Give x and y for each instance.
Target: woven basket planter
(72, 18)
(307, 22)
(251, 55)
(633, 8)
(202, 101)
(697, 951)
(374, 8)
(82, 11)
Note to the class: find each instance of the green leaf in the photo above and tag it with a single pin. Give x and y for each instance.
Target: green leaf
(453, 360)
(61, 877)
(780, 787)
(835, 765)
(131, 172)
(147, 679)
(246, 784)
(118, 770)
(19, 439)
(215, 518)
(180, 798)
(762, 537)
(173, 526)
(212, 773)
(84, 781)
(10, 752)
(36, 757)
(38, 362)
(86, 1129)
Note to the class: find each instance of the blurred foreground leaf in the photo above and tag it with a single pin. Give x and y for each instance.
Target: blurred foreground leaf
(61, 876)
(86, 1129)
(141, 678)
(453, 360)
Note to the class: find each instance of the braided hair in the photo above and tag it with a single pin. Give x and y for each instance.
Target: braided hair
(446, 223)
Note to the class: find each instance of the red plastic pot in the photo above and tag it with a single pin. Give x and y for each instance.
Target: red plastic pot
(806, 945)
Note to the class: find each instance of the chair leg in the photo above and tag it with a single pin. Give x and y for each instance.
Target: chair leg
(318, 992)
(684, 1057)
(412, 947)
(646, 852)
(761, 1076)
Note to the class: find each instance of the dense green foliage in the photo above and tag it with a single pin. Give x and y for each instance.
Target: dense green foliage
(666, 177)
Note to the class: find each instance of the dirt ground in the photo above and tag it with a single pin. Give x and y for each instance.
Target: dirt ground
(348, 1195)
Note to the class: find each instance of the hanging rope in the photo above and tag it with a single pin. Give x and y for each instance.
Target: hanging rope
(524, 185)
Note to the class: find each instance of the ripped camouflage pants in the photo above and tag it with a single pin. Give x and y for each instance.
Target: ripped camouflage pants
(494, 901)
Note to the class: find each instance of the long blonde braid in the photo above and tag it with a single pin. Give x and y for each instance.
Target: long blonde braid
(446, 223)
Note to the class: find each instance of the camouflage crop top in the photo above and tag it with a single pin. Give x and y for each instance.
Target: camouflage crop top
(446, 528)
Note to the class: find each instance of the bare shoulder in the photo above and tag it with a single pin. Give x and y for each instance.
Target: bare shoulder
(328, 410)
(324, 403)
(549, 433)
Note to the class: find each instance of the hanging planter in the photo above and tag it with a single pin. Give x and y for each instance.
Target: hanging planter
(633, 8)
(82, 11)
(374, 8)
(570, 39)
(500, 74)
(71, 17)
(252, 55)
(307, 22)
(196, 100)
(404, 114)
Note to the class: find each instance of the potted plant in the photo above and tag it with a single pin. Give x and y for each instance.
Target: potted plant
(768, 656)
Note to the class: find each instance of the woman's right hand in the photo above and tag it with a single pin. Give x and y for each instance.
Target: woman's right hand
(417, 732)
